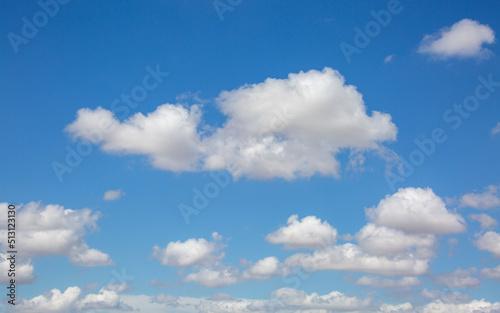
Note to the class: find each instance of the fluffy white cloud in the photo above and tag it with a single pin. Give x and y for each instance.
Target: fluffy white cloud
(485, 220)
(463, 39)
(475, 306)
(416, 210)
(265, 269)
(458, 279)
(400, 308)
(71, 300)
(309, 233)
(334, 301)
(191, 252)
(293, 127)
(51, 229)
(349, 257)
(486, 200)
(381, 240)
(285, 128)
(111, 195)
(375, 281)
(23, 270)
(125, 286)
(168, 135)
(216, 276)
(489, 241)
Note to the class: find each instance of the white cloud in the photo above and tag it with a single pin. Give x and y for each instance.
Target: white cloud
(381, 240)
(463, 39)
(485, 200)
(349, 257)
(334, 301)
(125, 286)
(168, 135)
(485, 220)
(416, 210)
(111, 195)
(491, 273)
(490, 241)
(293, 127)
(23, 270)
(375, 281)
(458, 279)
(388, 59)
(285, 128)
(265, 269)
(217, 276)
(51, 229)
(191, 252)
(471, 307)
(309, 233)
(71, 300)
(400, 308)
(496, 129)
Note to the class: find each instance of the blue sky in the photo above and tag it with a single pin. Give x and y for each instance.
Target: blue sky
(237, 156)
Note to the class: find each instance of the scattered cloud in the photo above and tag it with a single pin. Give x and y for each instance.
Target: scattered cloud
(485, 220)
(111, 195)
(464, 39)
(482, 306)
(458, 279)
(23, 270)
(491, 273)
(261, 138)
(490, 241)
(416, 210)
(308, 233)
(51, 229)
(71, 300)
(486, 200)
(388, 59)
(191, 252)
(215, 276)
(496, 129)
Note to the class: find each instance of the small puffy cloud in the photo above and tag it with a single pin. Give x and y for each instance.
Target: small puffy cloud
(416, 210)
(309, 233)
(24, 270)
(400, 308)
(285, 128)
(111, 195)
(486, 200)
(464, 39)
(489, 241)
(381, 240)
(474, 306)
(491, 273)
(458, 279)
(216, 276)
(168, 135)
(485, 220)
(71, 300)
(191, 252)
(265, 269)
(349, 257)
(334, 301)
(51, 229)
(496, 129)
(375, 281)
